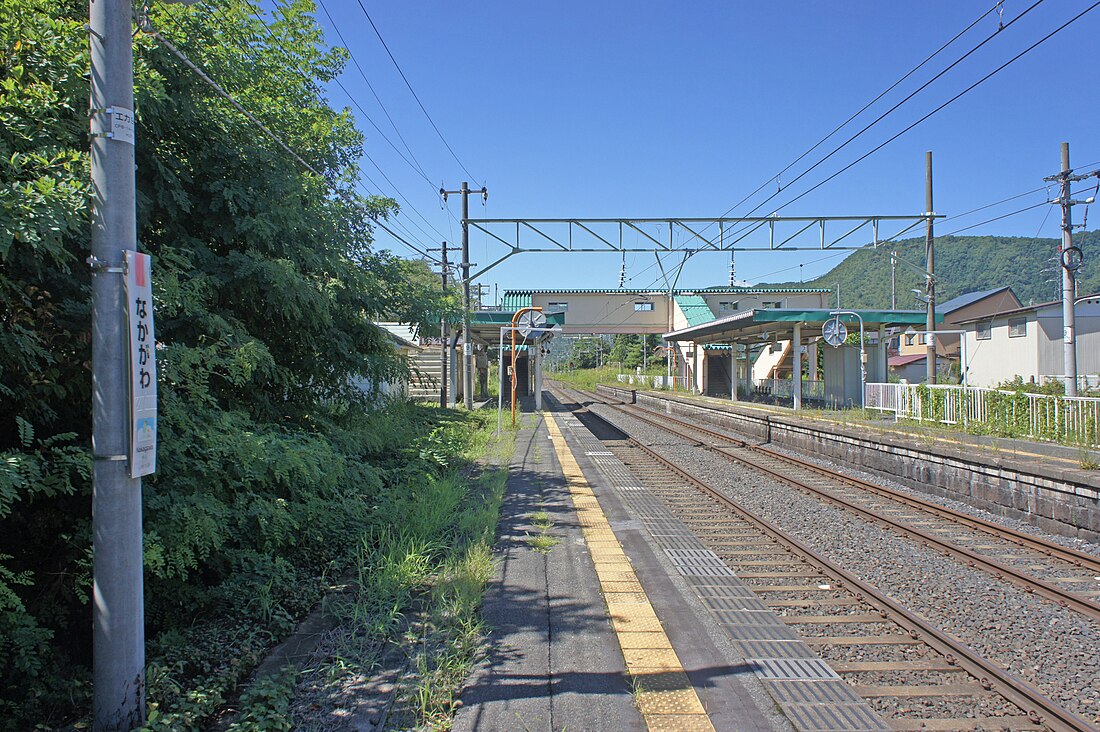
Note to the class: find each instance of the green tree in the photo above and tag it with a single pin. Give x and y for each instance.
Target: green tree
(265, 286)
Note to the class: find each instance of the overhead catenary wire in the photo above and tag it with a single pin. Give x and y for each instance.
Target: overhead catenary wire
(971, 87)
(370, 86)
(882, 116)
(867, 106)
(293, 66)
(415, 95)
(275, 138)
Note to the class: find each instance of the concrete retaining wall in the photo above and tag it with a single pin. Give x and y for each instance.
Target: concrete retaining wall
(1059, 500)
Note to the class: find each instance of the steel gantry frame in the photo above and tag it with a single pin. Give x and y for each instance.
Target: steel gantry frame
(608, 234)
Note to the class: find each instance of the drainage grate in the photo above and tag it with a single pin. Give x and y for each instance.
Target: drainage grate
(598, 452)
(791, 669)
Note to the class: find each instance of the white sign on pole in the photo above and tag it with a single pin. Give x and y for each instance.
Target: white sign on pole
(122, 124)
(143, 365)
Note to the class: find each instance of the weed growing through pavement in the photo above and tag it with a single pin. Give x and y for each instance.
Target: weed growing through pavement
(541, 542)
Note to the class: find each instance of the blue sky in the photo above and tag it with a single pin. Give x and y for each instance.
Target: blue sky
(608, 109)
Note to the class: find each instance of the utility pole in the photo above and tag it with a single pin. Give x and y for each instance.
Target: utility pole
(930, 260)
(444, 338)
(1071, 260)
(893, 280)
(482, 291)
(467, 353)
(118, 617)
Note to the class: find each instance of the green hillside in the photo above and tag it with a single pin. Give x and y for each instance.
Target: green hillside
(963, 264)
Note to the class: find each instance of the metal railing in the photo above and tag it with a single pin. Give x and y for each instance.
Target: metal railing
(993, 411)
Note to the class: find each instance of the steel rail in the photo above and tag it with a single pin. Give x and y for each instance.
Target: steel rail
(1066, 554)
(1029, 582)
(1040, 708)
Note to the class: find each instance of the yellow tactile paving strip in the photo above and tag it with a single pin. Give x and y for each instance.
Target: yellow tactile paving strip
(663, 692)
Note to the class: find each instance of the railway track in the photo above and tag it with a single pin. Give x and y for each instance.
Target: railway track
(914, 674)
(1063, 575)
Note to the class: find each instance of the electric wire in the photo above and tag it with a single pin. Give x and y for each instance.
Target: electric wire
(370, 86)
(275, 138)
(293, 66)
(286, 54)
(415, 95)
(881, 145)
(866, 106)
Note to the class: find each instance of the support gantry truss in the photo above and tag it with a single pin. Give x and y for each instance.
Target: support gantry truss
(691, 235)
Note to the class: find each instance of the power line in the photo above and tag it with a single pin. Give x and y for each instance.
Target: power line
(293, 66)
(866, 106)
(929, 114)
(415, 96)
(267, 131)
(370, 86)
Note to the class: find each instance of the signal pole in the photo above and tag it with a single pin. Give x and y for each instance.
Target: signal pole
(1071, 260)
(930, 259)
(467, 353)
(118, 618)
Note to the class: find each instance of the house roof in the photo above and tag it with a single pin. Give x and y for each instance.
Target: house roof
(969, 298)
(695, 309)
(897, 361)
(1026, 309)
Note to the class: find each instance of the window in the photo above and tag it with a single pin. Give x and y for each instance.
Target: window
(1017, 327)
(909, 340)
(771, 304)
(643, 307)
(984, 331)
(728, 306)
(557, 307)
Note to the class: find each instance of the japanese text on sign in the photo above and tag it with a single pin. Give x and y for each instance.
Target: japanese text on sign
(143, 366)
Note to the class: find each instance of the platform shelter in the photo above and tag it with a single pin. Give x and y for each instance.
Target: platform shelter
(722, 353)
(485, 335)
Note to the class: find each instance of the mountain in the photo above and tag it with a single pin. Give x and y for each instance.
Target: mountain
(963, 264)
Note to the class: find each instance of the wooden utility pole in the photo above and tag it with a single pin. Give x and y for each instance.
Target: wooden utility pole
(930, 260)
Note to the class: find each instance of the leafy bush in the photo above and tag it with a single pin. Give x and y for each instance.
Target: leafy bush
(265, 284)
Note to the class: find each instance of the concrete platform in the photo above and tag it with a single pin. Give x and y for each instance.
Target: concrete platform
(553, 662)
(605, 631)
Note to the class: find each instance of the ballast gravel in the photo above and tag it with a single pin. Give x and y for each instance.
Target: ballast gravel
(1049, 646)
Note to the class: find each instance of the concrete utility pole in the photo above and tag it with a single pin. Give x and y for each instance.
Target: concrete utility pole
(930, 259)
(467, 353)
(118, 618)
(1071, 260)
(893, 280)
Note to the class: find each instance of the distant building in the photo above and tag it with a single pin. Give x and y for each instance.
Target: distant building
(909, 350)
(656, 311)
(1027, 342)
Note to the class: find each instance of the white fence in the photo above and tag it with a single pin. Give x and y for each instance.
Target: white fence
(993, 411)
(784, 388)
(656, 382)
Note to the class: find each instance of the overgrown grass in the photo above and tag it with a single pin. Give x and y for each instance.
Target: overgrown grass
(390, 532)
(420, 579)
(588, 378)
